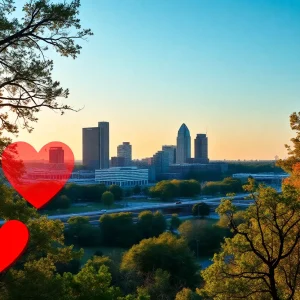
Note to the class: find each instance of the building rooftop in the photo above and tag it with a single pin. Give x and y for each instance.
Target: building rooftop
(183, 130)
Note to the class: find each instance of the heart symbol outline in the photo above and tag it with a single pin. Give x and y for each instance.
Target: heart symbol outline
(14, 237)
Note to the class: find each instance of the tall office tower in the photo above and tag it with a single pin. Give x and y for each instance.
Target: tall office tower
(160, 161)
(104, 144)
(172, 153)
(95, 146)
(125, 150)
(56, 155)
(183, 150)
(201, 148)
(90, 147)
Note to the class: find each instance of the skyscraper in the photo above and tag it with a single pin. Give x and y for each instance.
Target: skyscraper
(160, 161)
(90, 148)
(56, 155)
(104, 144)
(183, 150)
(95, 146)
(201, 148)
(125, 150)
(172, 153)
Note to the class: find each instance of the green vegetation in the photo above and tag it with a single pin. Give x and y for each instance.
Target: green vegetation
(107, 199)
(175, 222)
(227, 185)
(187, 294)
(150, 225)
(170, 189)
(166, 260)
(201, 209)
(114, 253)
(261, 260)
(118, 230)
(252, 167)
(136, 190)
(203, 236)
(116, 191)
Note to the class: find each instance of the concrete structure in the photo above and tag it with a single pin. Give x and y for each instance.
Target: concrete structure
(90, 148)
(95, 146)
(56, 155)
(104, 144)
(123, 176)
(201, 149)
(183, 149)
(268, 178)
(160, 162)
(171, 150)
(142, 163)
(181, 170)
(117, 161)
(125, 150)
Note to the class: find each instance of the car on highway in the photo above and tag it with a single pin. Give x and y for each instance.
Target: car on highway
(103, 210)
(178, 202)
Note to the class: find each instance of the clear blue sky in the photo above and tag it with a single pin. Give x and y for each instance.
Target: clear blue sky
(231, 67)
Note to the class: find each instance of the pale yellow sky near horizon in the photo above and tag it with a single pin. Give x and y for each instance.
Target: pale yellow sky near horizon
(224, 143)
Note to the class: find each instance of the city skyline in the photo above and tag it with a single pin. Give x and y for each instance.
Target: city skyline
(230, 68)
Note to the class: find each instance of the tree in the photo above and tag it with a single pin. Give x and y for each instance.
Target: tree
(118, 229)
(144, 224)
(201, 209)
(186, 294)
(159, 224)
(26, 84)
(158, 286)
(175, 222)
(107, 199)
(80, 232)
(73, 191)
(167, 253)
(164, 189)
(117, 191)
(92, 282)
(189, 188)
(227, 185)
(150, 224)
(202, 238)
(137, 190)
(33, 275)
(293, 151)
(262, 260)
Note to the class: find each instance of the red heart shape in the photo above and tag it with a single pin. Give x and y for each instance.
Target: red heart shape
(37, 176)
(14, 237)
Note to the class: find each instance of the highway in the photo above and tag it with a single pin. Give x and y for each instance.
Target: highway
(239, 201)
(95, 215)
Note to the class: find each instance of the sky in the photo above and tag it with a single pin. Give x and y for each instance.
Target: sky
(227, 68)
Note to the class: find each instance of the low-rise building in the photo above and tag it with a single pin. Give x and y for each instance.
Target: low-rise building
(122, 176)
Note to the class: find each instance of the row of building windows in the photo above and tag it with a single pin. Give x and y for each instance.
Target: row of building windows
(125, 183)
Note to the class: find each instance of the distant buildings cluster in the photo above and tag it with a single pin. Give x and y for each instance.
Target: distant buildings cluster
(172, 161)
